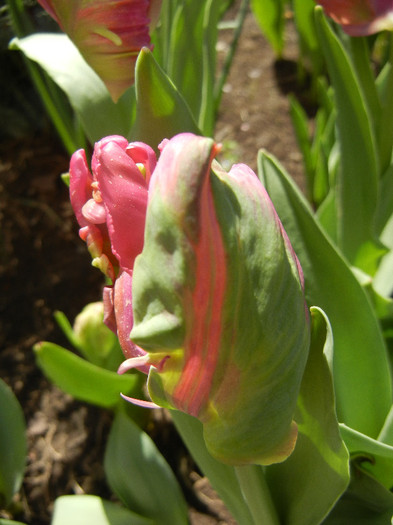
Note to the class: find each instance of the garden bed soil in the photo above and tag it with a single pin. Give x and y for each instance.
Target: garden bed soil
(45, 267)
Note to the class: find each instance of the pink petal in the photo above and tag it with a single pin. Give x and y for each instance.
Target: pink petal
(124, 193)
(80, 184)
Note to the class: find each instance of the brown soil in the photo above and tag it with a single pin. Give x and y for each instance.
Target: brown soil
(45, 267)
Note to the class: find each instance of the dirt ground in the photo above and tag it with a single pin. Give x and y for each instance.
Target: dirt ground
(45, 267)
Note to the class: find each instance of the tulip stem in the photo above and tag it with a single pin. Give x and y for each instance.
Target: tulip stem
(257, 494)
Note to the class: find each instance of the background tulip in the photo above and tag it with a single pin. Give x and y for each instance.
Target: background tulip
(360, 17)
(109, 34)
(218, 304)
(110, 205)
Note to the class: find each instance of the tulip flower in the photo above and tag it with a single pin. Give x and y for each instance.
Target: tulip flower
(110, 206)
(360, 17)
(218, 305)
(109, 34)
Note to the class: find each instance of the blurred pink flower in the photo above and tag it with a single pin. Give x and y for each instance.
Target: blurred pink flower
(360, 17)
(108, 33)
(110, 206)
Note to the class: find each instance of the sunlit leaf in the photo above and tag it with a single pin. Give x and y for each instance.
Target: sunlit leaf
(86, 509)
(83, 380)
(361, 371)
(88, 96)
(161, 110)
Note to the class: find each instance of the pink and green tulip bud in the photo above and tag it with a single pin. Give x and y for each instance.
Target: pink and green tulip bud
(360, 17)
(110, 205)
(218, 305)
(108, 33)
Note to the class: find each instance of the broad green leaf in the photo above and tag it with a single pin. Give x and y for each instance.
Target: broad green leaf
(13, 445)
(270, 17)
(357, 179)
(88, 96)
(86, 509)
(372, 456)
(365, 502)
(360, 365)
(161, 110)
(222, 477)
(320, 453)
(83, 380)
(139, 475)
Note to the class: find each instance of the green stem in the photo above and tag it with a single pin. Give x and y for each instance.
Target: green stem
(231, 53)
(257, 494)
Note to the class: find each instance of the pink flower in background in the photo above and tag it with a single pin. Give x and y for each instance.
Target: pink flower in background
(108, 33)
(360, 17)
(110, 206)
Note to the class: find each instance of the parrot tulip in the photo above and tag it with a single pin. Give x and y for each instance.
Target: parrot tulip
(110, 206)
(360, 17)
(109, 34)
(218, 305)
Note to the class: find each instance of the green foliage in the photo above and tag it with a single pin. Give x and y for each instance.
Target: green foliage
(13, 445)
(320, 453)
(161, 110)
(83, 380)
(84, 509)
(270, 17)
(140, 476)
(89, 98)
(362, 379)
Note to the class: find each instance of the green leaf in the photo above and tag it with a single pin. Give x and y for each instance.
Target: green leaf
(270, 17)
(161, 110)
(88, 96)
(83, 380)
(13, 445)
(222, 477)
(320, 452)
(358, 174)
(372, 456)
(385, 125)
(365, 502)
(360, 365)
(85, 509)
(305, 25)
(140, 476)
(194, 31)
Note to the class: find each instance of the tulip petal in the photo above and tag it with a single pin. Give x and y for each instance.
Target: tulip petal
(217, 289)
(124, 193)
(108, 33)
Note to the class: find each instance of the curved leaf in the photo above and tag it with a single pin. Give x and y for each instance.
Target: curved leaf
(83, 380)
(361, 371)
(140, 476)
(13, 445)
(88, 96)
(320, 452)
